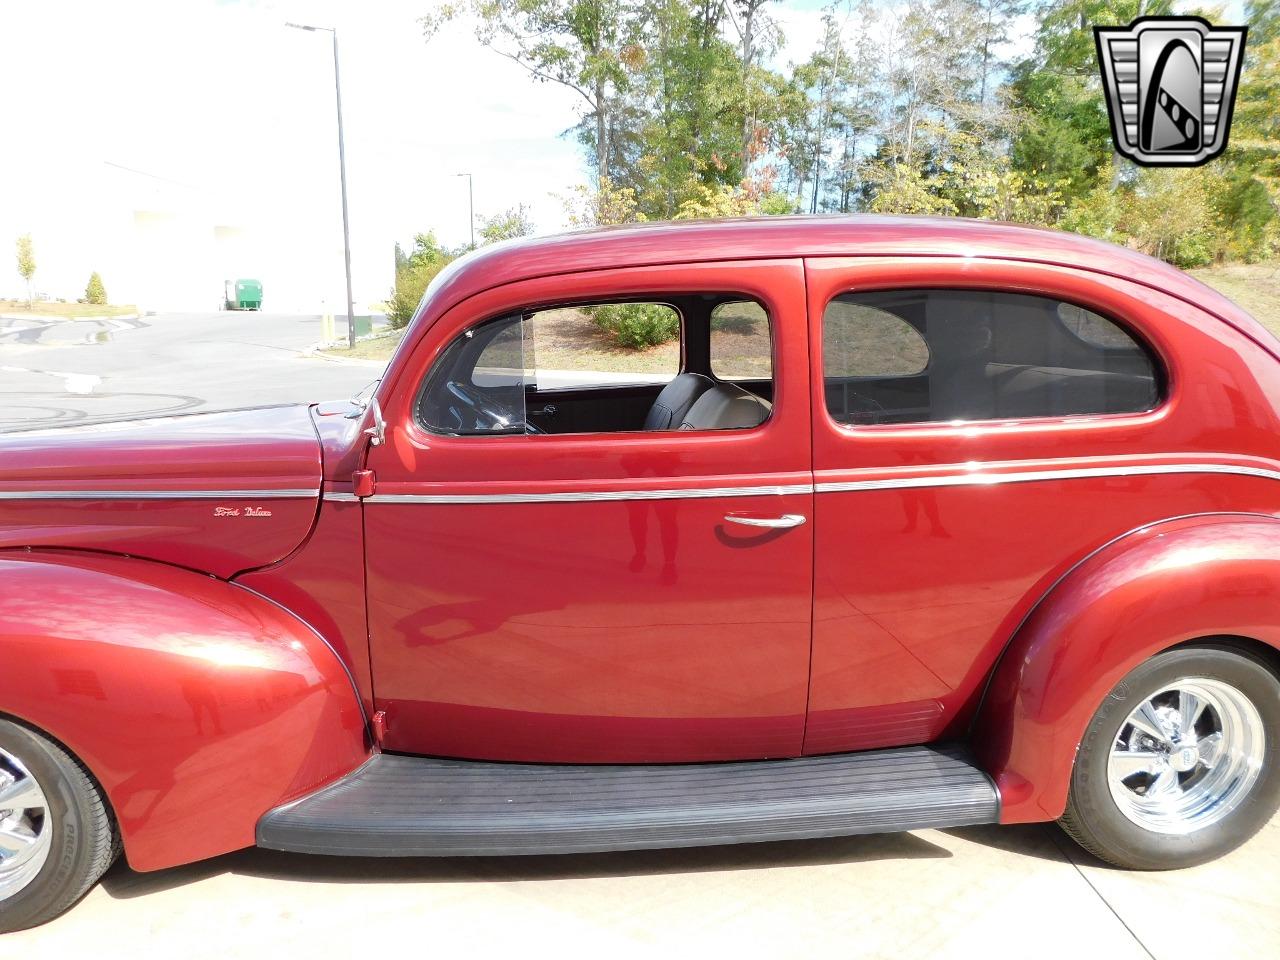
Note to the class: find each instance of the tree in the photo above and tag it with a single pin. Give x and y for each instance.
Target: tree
(507, 225)
(758, 34)
(95, 292)
(414, 271)
(26, 261)
(584, 45)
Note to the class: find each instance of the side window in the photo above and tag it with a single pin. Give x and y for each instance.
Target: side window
(922, 356)
(477, 386)
(696, 362)
(741, 345)
(602, 345)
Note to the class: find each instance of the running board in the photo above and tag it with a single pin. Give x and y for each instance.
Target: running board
(414, 806)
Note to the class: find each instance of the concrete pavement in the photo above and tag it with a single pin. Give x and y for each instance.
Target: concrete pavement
(988, 891)
(62, 372)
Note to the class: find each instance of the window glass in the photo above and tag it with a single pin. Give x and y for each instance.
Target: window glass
(922, 356)
(859, 340)
(741, 347)
(605, 368)
(477, 386)
(601, 345)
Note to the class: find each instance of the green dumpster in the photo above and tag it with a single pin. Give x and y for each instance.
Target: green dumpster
(243, 294)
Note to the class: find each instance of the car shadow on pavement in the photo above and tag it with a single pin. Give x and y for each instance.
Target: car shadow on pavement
(123, 883)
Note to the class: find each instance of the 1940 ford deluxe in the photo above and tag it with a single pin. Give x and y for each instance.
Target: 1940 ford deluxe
(917, 523)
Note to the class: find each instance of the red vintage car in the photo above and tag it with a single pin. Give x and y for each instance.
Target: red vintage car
(917, 523)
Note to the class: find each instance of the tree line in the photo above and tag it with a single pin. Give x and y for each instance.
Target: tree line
(905, 108)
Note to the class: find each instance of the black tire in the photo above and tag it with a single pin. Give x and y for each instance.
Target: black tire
(84, 841)
(1095, 821)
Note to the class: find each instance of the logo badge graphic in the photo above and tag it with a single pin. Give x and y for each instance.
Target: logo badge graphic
(1171, 86)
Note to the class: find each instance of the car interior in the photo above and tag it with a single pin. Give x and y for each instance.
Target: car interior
(487, 382)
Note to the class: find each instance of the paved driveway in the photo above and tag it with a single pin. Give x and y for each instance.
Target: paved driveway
(977, 892)
(60, 372)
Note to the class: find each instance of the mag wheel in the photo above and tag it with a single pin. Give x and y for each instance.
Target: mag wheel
(57, 836)
(1178, 766)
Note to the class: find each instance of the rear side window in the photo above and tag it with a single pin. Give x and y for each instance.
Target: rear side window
(924, 356)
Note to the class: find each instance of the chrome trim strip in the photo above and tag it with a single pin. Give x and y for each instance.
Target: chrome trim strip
(892, 483)
(158, 494)
(1026, 476)
(691, 493)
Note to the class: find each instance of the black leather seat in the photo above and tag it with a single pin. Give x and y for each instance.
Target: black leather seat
(675, 400)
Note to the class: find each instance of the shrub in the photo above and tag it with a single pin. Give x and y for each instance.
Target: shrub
(636, 325)
(411, 283)
(95, 292)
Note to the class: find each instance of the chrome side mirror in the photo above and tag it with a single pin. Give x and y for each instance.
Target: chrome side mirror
(376, 433)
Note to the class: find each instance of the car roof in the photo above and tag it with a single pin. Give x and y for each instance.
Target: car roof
(754, 238)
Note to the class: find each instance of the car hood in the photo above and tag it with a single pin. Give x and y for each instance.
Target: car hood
(217, 492)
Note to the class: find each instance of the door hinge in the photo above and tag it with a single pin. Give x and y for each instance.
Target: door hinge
(378, 724)
(362, 483)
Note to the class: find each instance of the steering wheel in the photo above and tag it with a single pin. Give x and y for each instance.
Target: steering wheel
(489, 414)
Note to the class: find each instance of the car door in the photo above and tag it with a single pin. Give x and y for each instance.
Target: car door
(589, 596)
(979, 427)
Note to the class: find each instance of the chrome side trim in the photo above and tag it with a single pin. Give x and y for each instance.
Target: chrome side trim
(1026, 476)
(158, 494)
(691, 493)
(893, 483)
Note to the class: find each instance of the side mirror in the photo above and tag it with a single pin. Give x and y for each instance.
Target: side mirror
(377, 432)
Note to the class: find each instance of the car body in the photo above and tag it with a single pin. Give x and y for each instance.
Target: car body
(236, 620)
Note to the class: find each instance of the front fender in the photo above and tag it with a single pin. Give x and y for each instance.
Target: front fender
(1170, 583)
(198, 705)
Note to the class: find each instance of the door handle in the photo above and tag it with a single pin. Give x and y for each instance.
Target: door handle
(771, 523)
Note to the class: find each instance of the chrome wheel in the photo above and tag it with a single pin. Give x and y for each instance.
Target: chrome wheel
(26, 828)
(1187, 756)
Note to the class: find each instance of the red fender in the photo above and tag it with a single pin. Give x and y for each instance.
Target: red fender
(1206, 576)
(198, 705)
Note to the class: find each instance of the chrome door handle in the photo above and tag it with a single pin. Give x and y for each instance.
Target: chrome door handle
(772, 523)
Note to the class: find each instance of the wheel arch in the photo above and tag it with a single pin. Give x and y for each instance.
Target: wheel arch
(196, 705)
(1198, 580)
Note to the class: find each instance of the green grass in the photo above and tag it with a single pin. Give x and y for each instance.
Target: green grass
(380, 347)
(47, 308)
(1254, 286)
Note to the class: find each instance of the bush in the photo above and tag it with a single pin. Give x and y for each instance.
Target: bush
(95, 292)
(636, 325)
(411, 283)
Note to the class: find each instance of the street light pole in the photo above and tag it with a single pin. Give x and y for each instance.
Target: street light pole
(471, 206)
(342, 175)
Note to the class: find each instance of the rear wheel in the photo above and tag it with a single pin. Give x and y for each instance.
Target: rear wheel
(1179, 764)
(57, 836)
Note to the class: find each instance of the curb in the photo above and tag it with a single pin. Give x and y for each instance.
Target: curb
(54, 316)
(313, 352)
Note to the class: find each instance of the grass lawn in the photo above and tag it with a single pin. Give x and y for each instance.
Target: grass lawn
(1254, 286)
(380, 347)
(47, 308)
(566, 339)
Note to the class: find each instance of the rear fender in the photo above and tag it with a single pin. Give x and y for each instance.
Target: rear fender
(198, 705)
(1164, 585)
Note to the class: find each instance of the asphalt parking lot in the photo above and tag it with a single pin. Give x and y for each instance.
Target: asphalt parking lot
(65, 372)
(1021, 891)
(1003, 891)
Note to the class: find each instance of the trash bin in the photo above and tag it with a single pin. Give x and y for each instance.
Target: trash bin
(243, 294)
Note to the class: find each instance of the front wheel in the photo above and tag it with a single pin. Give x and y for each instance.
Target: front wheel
(1179, 764)
(57, 836)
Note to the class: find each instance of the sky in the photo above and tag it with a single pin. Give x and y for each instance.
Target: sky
(135, 130)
